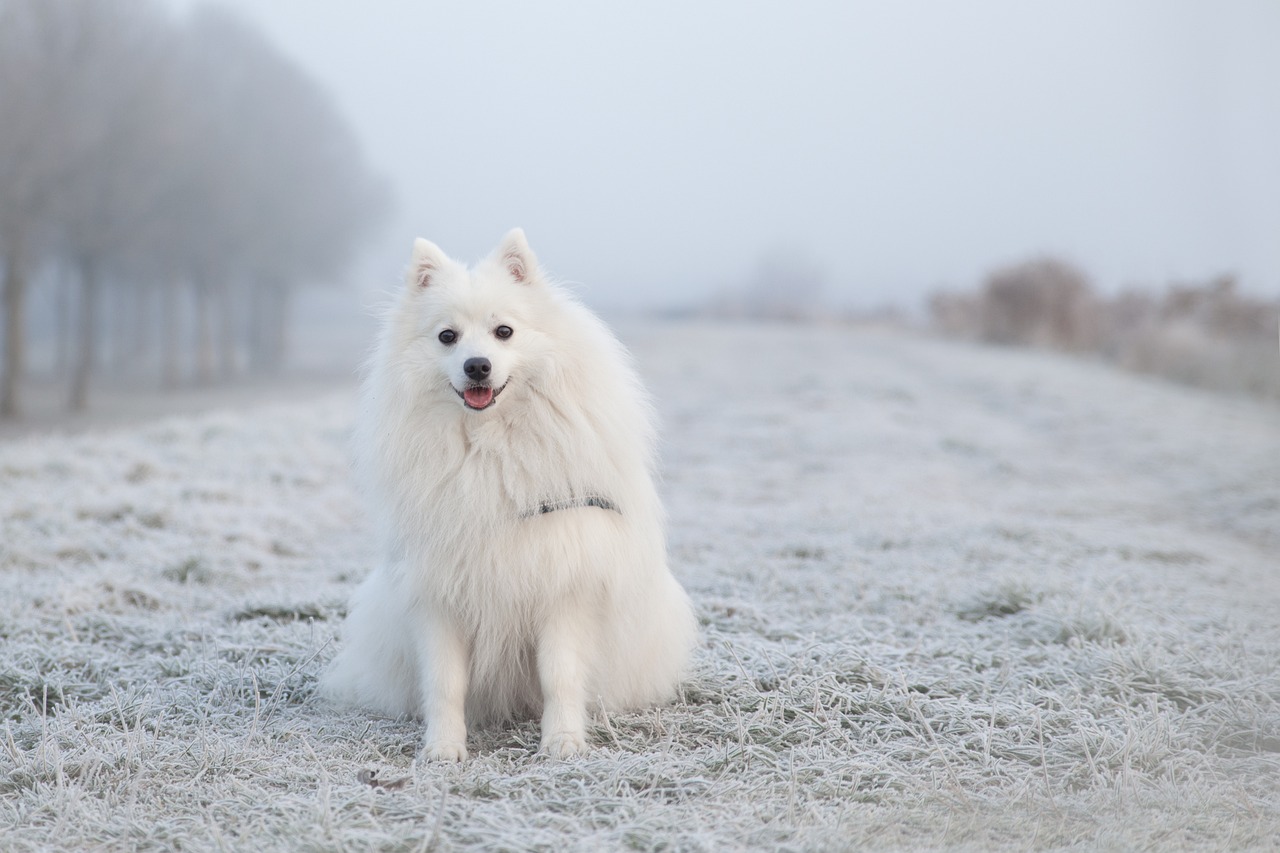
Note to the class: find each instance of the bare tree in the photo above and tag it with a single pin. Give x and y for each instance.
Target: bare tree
(111, 198)
(307, 196)
(183, 162)
(36, 86)
(784, 285)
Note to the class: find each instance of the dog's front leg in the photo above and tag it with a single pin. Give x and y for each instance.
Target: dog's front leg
(444, 667)
(561, 654)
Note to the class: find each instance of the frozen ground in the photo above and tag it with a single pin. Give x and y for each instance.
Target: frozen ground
(952, 598)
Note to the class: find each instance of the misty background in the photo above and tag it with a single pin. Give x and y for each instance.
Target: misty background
(656, 151)
(265, 164)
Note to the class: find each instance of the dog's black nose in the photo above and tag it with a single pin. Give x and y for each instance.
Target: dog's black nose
(477, 369)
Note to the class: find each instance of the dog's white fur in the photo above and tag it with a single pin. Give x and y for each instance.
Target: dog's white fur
(484, 608)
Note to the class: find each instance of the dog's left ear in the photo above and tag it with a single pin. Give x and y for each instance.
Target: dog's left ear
(517, 258)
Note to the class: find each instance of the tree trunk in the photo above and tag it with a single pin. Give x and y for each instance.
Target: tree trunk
(169, 319)
(139, 343)
(86, 337)
(204, 333)
(11, 370)
(279, 333)
(62, 310)
(268, 323)
(226, 331)
(117, 333)
(256, 323)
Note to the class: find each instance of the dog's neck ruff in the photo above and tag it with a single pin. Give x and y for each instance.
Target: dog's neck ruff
(544, 507)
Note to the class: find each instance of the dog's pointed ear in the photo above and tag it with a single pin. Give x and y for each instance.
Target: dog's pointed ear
(516, 256)
(427, 261)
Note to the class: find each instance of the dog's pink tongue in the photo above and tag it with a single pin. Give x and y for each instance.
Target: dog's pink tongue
(478, 398)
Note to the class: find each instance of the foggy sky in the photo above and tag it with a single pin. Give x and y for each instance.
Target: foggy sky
(656, 151)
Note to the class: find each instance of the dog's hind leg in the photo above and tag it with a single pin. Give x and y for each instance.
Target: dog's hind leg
(377, 667)
(444, 662)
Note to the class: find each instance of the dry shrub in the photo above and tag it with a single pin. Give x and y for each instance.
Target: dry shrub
(1044, 302)
(955, 314)
(1204, 334)
(1207, 335)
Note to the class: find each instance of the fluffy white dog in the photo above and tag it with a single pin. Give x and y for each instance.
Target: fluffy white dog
(507, 446)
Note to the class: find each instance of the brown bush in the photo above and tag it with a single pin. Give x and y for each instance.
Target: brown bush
(1045, 302)
(954, 314)
(1206, 334)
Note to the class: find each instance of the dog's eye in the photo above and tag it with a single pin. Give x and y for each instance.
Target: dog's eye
(503, 332)
(448, 336)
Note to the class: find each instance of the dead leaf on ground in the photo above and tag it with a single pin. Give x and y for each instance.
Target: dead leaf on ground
(370, 778)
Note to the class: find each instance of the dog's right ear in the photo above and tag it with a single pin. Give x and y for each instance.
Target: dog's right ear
(427, 262)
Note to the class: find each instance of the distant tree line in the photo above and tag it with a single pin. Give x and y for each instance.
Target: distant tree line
(785, 285)
(1209, 334)
(168, 181)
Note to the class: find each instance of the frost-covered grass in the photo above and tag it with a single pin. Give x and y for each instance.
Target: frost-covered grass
(951, 598)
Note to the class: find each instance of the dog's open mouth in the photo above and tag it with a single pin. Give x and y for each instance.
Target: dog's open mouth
(479, 397)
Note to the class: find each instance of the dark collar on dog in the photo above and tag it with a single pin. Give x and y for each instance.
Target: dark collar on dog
(571, 503)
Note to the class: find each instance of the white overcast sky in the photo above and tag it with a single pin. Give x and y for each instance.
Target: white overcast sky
(654, 151)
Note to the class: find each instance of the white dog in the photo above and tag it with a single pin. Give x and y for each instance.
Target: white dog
(508, 449)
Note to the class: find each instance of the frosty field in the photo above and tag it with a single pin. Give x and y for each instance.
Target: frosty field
(952, 598)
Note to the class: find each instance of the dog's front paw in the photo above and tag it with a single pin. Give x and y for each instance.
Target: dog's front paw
(445, 750)
(564, 744)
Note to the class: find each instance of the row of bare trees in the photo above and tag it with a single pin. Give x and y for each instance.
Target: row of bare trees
(170, 181)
